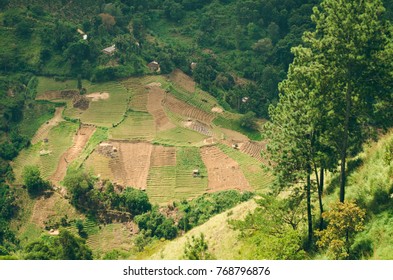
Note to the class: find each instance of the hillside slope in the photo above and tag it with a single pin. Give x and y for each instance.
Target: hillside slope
(222, 240)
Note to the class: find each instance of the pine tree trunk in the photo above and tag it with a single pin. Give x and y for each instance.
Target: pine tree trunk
(345, 143)
(309, 216)
(320, 191)
(320, 182)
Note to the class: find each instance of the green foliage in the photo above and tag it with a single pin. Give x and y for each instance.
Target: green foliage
(99, 197)
(199, 210)
(155, 224)
(273, 230)
(32, 180)
(8, 205)
(65, 246)
(134, 201)
(345, 219)
(247, 121)
(197, 249)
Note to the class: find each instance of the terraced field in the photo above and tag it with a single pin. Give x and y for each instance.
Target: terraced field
(190, 112)
(223, 172)
(188, 185)
(151, 133)
(46, 155)
(253, 149)
(103, 112)
(131, 164)
(155, 98)
(136, 126)
(80, 139)
(179, 137)
(43, 131)
(161, 184)
(258, 178)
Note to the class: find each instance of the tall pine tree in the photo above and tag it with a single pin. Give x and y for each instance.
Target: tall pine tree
(353, 43)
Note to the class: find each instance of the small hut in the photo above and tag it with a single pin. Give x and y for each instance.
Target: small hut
(195, 173)
(110, 50)
(154, 66)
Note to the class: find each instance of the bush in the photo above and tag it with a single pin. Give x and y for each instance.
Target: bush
(155, 224)
(32, 180)
(197, 249)
(134, 201)
(247, 121)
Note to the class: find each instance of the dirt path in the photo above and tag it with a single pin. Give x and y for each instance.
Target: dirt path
(223, 172)
(155, 98)
(80, 139)
(43, 131)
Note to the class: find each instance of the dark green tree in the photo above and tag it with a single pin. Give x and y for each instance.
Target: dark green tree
(134, 201)
(352, 42)
(32, 180)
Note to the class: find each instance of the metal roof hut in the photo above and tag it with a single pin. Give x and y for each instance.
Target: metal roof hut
(195, 173)
(154, 66)
(110, 50)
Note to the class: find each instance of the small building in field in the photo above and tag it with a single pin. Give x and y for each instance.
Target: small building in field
(193, 65)
(110, 50)
(154, 66)
(195, 173)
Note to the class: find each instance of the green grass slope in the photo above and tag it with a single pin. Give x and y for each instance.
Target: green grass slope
(222, 240)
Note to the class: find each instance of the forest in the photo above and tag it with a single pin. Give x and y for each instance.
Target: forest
(310, 79)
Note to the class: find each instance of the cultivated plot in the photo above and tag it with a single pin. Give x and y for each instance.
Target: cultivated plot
(79, 141)
(252, 168)
(46, 154)
(136, 126)
(103, 112)
(43, 131)
(223, 172)
(155, 98)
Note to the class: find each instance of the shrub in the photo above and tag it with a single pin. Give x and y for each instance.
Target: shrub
(32, 180)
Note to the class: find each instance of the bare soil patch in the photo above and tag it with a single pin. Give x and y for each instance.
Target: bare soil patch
(223, 172)
(96, 96)
(181, 79)
(43, 131)
(80, 140)
(186, 110)
(130, 163)
(217, 110)
(155, 98)
(163, 156)
(153, 84)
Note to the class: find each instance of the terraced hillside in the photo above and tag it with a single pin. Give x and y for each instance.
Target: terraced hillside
(160, 129)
